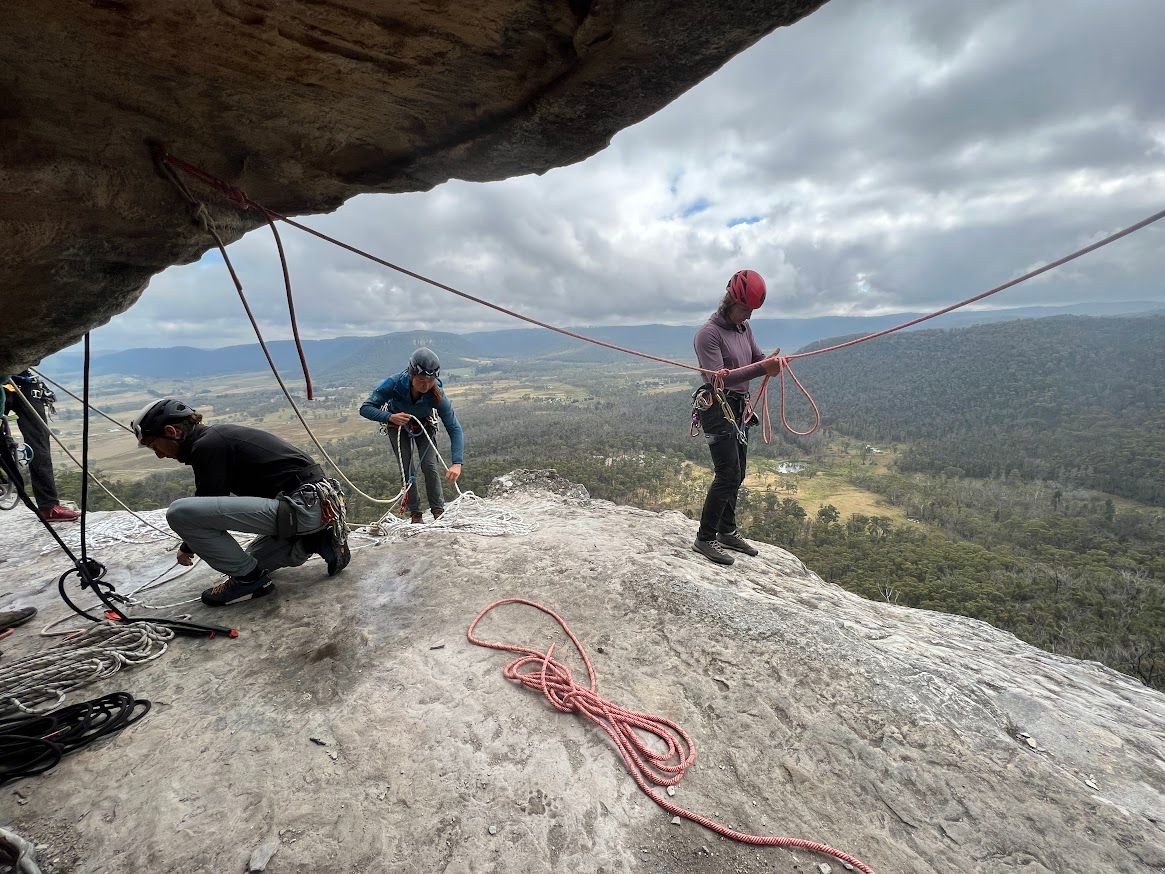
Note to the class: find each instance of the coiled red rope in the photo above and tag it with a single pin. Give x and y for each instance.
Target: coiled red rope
(543, 673)
(239, 197)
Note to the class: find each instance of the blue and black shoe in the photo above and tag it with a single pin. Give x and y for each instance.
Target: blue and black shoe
(334, 552)
(232, 589)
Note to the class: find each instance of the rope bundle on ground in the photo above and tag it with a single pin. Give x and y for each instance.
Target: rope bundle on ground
(98, 652)
(116, 529)
(541, 672)
(33, 744)
(466, 513)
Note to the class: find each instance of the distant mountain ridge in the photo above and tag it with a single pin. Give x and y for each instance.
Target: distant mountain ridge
(1069, 398)
(343, 357)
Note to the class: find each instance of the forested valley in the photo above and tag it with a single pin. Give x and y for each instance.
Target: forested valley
(1012, 473)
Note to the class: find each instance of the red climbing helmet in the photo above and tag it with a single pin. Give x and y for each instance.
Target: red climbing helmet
(747, 288)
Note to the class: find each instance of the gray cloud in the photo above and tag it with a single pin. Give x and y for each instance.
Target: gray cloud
(882, 157)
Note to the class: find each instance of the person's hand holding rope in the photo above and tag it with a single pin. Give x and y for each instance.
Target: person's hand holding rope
(773, 365)
(453, 472)
(399, 419)
(186, 559)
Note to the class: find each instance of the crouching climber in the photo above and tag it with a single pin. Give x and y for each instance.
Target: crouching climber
(245, 480)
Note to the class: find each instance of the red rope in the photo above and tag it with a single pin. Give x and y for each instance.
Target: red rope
(541, 672)
(1051, 265)
(290, 305)
(240, 197)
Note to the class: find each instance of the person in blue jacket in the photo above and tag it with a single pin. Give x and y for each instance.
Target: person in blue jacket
(407, 403)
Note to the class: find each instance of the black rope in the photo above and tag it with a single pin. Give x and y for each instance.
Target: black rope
(34, 743)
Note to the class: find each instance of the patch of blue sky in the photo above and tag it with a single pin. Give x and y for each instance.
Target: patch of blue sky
(744, 220)
(696, 206)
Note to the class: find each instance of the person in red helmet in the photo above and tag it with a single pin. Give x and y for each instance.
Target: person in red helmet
(725, 342)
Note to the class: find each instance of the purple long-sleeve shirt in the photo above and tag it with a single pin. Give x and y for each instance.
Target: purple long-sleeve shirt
(720, 344)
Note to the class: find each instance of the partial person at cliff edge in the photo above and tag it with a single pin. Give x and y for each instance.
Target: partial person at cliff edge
(725, 343)
(32, 401)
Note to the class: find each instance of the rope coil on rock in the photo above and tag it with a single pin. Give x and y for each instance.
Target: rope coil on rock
(541, 672)
(467, 512)
(100, 651)
(33, 744)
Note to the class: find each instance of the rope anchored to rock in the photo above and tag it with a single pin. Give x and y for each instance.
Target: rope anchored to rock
(543, 673)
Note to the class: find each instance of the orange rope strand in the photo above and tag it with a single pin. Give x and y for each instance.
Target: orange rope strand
(543, 673)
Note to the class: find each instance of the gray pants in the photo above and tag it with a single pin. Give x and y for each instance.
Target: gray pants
(426, 458)
(205, 525)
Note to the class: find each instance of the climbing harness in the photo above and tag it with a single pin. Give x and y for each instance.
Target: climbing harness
(708, 395)
(333, 507)
(542, 672)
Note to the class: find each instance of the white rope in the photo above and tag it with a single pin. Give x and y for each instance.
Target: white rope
(98, 652)
(128, 599)
(18, 853)
(466, 513)
(114, 529)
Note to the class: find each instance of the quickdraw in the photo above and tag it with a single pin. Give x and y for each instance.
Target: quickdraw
(702, 400)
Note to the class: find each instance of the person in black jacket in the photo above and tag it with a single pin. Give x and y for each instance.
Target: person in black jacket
(245, 480)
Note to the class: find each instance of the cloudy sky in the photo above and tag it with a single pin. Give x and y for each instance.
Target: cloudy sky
(873, 158)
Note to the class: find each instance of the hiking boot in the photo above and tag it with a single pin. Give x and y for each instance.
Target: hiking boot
(334, 552)
(416, 517)
(438, 513)
(12, 618)
(732, 541)
(59, 514)
(713, 551)
(231, 590)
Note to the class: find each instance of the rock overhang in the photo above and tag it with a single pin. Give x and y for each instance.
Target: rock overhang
(303, 105)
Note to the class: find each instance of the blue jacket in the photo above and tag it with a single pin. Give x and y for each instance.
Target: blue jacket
(397, 393)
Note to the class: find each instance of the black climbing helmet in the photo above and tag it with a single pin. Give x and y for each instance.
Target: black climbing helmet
(156, 415)
(424, 362)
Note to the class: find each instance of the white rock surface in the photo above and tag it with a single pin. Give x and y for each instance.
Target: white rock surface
(894, 734)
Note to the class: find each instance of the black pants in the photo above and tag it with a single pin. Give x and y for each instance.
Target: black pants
(36, 434)
(729, 457)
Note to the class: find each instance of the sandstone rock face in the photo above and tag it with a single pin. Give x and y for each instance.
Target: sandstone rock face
(303, 104)
(917, 741)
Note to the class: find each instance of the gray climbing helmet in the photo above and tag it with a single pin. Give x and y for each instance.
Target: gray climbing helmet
(424, 362)
(156, 415)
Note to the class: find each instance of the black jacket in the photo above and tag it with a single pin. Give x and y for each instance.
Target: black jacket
(237, 460)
